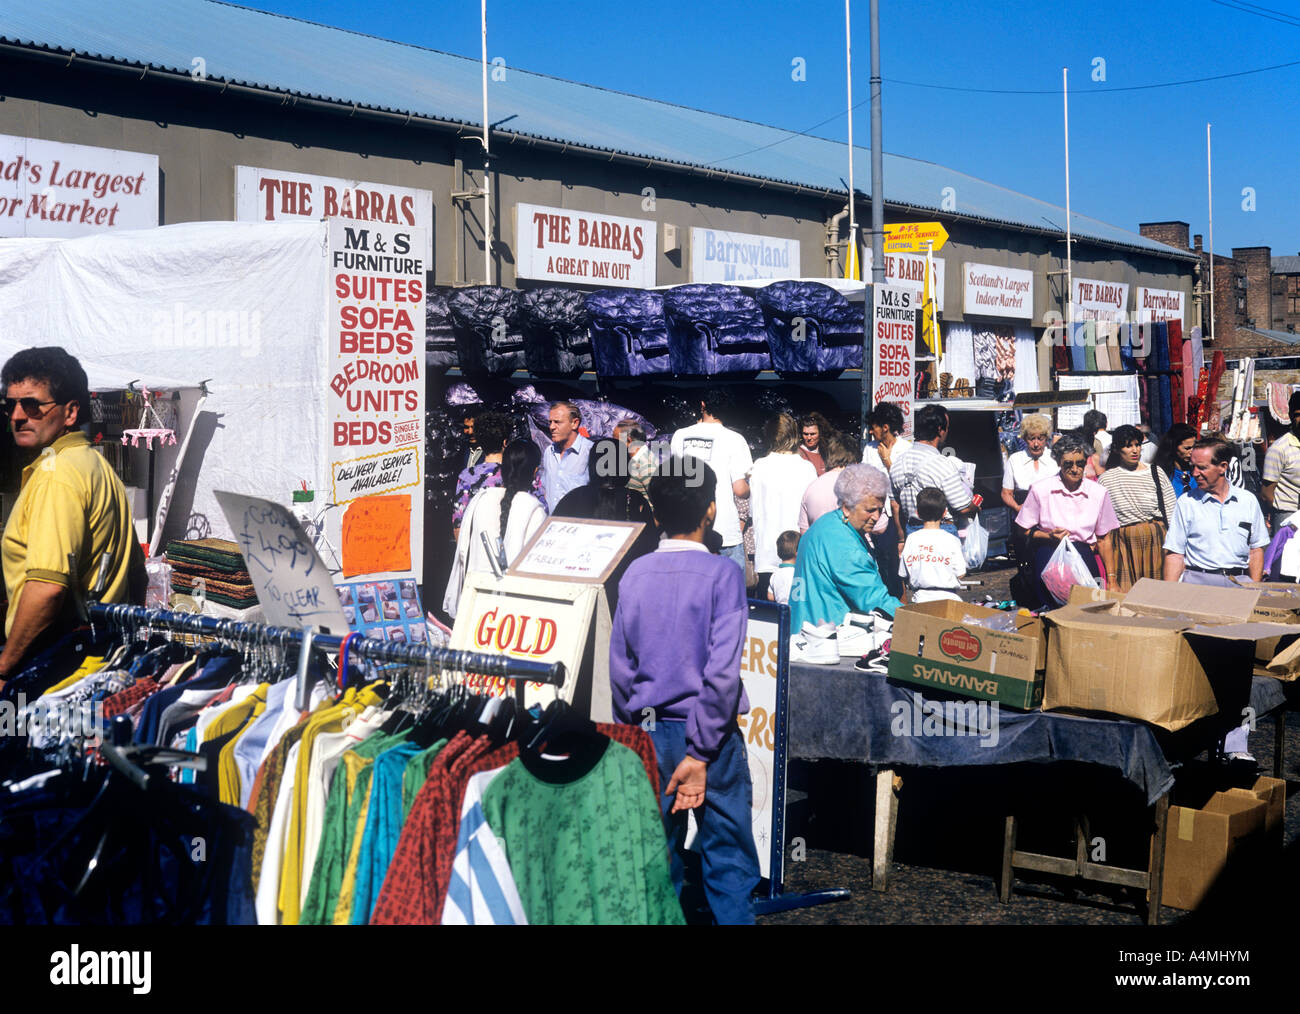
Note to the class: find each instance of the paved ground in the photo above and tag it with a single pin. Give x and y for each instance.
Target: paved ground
(948, 845)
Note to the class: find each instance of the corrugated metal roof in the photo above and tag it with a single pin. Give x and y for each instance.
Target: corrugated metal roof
(1285, 337)
(1285, 265)
(270, 51)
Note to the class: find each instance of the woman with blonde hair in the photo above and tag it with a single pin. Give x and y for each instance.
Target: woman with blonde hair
(1024, 468)
(776, 487)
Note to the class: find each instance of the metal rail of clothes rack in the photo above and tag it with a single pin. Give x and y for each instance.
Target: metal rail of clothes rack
(503, 666)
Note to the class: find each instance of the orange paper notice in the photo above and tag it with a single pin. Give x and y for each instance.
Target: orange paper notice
(377, 535)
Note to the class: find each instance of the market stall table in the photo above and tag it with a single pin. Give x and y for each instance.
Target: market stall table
(838, 712)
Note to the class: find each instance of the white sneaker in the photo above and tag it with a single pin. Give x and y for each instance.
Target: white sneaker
(815, 644)
(854, 641)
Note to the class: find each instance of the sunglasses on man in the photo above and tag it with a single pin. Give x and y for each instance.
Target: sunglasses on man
(33, 408)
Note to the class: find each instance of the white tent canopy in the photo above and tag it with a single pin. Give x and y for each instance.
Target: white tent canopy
(107, 378)
(241, 305)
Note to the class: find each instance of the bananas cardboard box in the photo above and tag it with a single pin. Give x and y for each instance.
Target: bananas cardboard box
(936, 645)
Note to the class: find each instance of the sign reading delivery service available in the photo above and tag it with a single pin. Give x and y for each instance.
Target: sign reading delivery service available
(56, 190)
(564, 245)
(375, 397)
(269, 195)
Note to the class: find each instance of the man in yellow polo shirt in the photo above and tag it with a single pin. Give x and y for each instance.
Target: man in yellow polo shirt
(71, 504)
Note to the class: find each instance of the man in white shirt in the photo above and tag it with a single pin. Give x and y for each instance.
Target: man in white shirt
(727, 453)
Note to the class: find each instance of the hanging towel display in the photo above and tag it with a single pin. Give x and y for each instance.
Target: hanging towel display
(1179, 398)
(1026, 378)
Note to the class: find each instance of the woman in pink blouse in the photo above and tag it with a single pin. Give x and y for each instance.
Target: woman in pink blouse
(1068, 506)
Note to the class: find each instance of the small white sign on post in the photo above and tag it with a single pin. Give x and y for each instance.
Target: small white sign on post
(576, 549)
(293, 586)
(893, 348)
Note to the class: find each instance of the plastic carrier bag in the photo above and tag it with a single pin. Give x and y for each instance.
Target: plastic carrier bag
(1064, 570)
(976, 546)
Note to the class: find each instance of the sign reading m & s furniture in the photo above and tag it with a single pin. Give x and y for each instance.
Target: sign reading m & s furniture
(563, 245)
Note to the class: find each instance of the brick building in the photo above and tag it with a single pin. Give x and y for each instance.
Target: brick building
(1256, 295)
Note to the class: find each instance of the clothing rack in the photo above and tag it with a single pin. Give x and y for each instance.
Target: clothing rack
(503, 666)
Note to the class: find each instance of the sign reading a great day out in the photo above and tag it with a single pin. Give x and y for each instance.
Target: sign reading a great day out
(564, 245)
(375, 395)
(63, 190)
(893, 347)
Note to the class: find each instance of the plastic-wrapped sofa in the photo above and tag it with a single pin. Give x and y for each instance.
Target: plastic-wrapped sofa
(629, 334)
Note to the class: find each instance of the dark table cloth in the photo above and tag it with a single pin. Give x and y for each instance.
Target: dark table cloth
(838, 712)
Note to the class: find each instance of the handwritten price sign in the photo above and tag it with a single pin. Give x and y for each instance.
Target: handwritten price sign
(292, 584)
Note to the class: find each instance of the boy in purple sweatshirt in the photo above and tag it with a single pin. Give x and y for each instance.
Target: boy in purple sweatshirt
(674, 669)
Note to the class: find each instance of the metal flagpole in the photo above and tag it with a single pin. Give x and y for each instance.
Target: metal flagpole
(1069, 243)
(1209, 189)
(853, 259)
(487, 163)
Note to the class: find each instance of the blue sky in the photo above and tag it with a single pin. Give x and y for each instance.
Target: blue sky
(1135, 156)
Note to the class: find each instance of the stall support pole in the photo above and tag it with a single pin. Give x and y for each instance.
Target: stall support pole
(302, 698)
(888, 786)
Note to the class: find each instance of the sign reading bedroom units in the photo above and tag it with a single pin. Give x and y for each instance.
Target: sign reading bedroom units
(49, 189)
(563, 245)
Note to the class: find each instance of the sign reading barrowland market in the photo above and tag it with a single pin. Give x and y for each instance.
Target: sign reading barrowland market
(1157, 304)
(992, 291)
(56, 190)
(563, 245)
(718, 256)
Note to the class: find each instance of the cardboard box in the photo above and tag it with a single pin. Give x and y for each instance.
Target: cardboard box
(932, 647)
(1273, 793)
(1201, 842)
(1165, 653)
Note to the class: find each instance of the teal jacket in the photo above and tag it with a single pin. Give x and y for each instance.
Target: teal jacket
(835, 573)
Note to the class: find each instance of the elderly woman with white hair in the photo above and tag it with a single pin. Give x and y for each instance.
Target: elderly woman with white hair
(835, 572)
